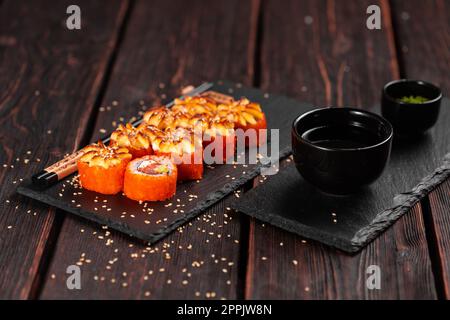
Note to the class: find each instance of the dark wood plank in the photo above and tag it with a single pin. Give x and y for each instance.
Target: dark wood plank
(424, 43)
(423, 36)
(324, 53)
(440, 208)
(183, 43)
(50, 79)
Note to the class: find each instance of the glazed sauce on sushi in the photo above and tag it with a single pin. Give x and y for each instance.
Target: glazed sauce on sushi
(341, 137)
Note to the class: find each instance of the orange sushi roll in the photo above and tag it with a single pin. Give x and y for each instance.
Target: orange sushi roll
(163, 118)
(150, 178)
(185, 149)
(196, 106)
(160, 117)
(134, 139)
(222, 129)
(247, 116)
(102, 168)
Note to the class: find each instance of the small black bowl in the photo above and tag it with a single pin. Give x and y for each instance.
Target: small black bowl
(340, 150)
(410, 119)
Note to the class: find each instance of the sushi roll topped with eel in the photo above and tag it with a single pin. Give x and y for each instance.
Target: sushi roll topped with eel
(136, 140)
(196, 106)
(163, 118)
(185, 148)
(102, 168)
(246, 115)
(150, 178)
(219, 137)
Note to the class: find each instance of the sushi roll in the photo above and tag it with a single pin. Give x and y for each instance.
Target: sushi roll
(163, 118)
(184, 148)
(219, 133)
(102, 168)
(160, 117)
(199, 107)
(134, 139)
(247, 115)
(150, 178)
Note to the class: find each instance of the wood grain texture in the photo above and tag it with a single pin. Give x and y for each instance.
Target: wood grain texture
(50, 78)
(168, 44)
(423, 36)
(424, 44)
(331, 58)
(440, 209)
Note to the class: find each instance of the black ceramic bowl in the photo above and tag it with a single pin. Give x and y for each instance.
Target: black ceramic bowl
(340, 150)
(410, 118)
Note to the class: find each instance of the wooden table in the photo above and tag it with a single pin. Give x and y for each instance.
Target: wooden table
(62, 89)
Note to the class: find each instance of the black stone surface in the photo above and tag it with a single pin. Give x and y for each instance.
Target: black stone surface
(154, 220)
(417, 166)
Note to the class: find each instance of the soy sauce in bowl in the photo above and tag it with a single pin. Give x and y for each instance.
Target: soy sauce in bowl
(340, 137)
(340, 150)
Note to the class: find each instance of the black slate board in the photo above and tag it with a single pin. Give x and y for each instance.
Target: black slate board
(416, 167)
(154, 220)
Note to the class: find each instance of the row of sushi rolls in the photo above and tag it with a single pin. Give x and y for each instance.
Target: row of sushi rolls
(145, 162)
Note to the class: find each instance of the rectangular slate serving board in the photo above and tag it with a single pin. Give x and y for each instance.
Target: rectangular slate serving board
(416, 167)
(154, 220)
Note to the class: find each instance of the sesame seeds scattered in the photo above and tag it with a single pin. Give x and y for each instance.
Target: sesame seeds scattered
(118, 269)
